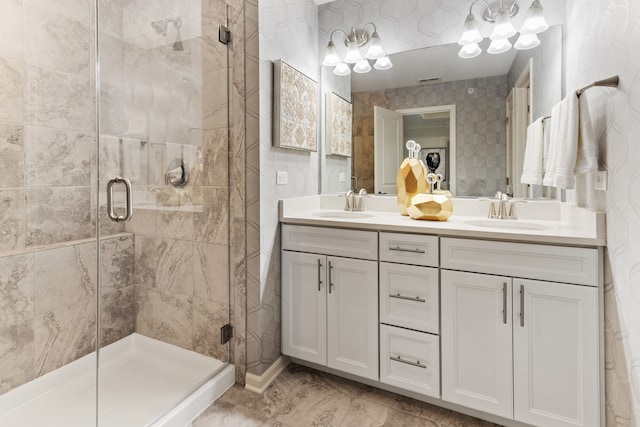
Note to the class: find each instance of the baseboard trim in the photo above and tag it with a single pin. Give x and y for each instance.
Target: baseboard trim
(259, 383)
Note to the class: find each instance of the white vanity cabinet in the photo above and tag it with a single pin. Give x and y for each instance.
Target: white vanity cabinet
(521, 348)
(409, 313)
(330, 303)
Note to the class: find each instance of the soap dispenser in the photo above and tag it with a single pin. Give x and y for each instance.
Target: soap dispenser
(412, 177)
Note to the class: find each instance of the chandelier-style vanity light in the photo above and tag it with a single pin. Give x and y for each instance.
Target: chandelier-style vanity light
(503, 29)
(354, 40)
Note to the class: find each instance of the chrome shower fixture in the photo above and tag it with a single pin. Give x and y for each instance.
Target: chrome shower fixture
(160, 27)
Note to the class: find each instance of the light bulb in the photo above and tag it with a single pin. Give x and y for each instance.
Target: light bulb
(470, 32)
(535, 22)
(375, 50)
(362, 66)
(353, 54)
(499, 46)
(342, 69)
(470, 51)
(383, 63)
(503, 28)
(331, 58)
(527, 41)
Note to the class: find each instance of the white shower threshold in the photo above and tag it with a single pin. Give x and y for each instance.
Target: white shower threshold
(143, 382)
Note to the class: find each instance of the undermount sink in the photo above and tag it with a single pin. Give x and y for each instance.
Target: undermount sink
(343, 214)
(506, 224)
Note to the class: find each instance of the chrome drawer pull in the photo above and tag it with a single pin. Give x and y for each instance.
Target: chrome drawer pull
(408, 362)
(418, 299)
(399, 249)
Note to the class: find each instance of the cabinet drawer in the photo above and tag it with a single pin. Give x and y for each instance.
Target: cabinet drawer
(530, 261)
(409, 296)
(409, 249)
(410, 360)
(330, 241)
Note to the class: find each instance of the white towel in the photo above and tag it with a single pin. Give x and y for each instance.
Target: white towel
(546, 130)
(554, 136)
(565, 150)
(532, 169)
(590, 130)
(131, 159)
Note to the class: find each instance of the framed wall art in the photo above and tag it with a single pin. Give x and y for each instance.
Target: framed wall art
(436, 160)
(338, 124)
(295, 108)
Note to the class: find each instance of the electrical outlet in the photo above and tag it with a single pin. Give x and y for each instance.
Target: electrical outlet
(342, 177)
(600, 182)
(282, 178)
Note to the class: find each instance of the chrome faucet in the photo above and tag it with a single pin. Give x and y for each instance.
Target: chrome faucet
(353, 202)
(349, 199)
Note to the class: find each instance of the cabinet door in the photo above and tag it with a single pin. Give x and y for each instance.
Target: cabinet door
(555, 354)
(476, 341)
(352, 316)
(304, 306)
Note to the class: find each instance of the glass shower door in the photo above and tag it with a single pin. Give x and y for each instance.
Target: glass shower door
(164, 288)
(48, 251)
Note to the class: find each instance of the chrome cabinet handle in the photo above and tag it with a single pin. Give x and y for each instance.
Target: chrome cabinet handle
(522, 305)
(398, 296)
(330, 276)
(504, 303)
(408, 362)
(319, 275)
(399, 249)
(128, 203)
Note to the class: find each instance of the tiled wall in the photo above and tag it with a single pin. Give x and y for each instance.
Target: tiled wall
(602, 39)
(480, 129)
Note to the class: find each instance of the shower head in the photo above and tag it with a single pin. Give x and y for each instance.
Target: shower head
(160, 27)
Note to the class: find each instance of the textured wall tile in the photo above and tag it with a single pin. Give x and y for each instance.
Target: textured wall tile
(55, 41)
(59, 100)
(145, 261)
(11, 40)
(174, 269)
(211, 225)
(64, 276)
(211, 272)
(17, 351)
(164, 316)
(12, 155)
(117, 262)
(58, 214)
(118, 314)
(12, 218)
(12, 75)
(17, 286)
(64, 335)
(208, 318)
(55, 157)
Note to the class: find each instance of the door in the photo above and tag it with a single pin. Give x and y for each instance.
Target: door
(388, 149)
(476, 341)
(555, 343)
(304, 306)
(352, 316)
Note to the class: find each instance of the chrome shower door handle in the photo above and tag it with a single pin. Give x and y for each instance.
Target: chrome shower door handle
(128, 203)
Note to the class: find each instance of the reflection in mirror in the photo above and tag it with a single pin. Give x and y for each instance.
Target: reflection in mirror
(487, 146)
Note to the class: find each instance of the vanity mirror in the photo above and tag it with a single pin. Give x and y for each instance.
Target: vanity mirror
(474, 110)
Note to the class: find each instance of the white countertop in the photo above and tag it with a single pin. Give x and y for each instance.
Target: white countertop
(562, 223)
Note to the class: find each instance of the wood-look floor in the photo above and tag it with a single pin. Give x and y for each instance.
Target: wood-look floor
(301, 396)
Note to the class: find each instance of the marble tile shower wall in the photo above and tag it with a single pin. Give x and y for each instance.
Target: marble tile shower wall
(480, 129)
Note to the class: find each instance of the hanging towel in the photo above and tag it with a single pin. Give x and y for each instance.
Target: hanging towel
(532, 169)
(554, 136)
(590, 131)
(546, 131)
(566, 147)
(131, 158)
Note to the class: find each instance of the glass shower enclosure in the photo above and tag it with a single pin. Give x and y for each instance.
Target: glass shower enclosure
(114, 235)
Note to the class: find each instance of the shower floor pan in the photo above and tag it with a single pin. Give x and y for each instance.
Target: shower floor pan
(142, 382)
